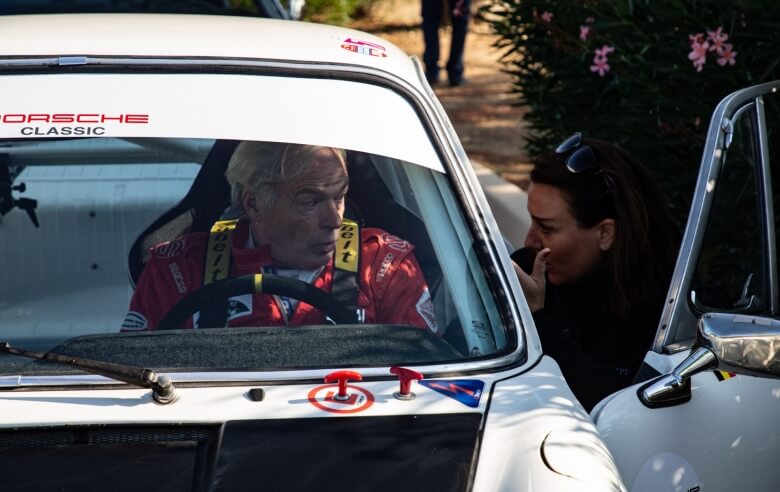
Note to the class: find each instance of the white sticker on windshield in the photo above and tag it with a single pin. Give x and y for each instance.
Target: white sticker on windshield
(425, 309)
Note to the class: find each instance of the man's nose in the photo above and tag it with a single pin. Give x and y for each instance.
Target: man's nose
(532, 239)
(331, 215)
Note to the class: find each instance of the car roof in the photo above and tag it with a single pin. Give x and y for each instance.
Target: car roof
(182, 35)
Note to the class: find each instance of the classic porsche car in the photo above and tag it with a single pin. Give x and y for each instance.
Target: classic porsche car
(115, 133)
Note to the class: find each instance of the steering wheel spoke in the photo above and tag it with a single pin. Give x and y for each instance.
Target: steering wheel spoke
(258, 283)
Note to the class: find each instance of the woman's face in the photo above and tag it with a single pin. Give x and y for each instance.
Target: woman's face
(574, 251)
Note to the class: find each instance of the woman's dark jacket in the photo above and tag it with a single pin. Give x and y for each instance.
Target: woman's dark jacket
(597, 352)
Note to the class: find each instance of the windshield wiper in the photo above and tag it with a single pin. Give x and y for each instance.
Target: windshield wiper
(161, 385)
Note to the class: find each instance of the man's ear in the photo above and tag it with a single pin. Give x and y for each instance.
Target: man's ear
(249, 203)
(606, 229)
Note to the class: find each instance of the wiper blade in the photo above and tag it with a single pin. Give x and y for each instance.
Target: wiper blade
(162, 388)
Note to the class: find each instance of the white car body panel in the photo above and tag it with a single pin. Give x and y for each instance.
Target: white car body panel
(530, 409)
(523, 410)
(152, 35)
(736, 419)
(209, 405)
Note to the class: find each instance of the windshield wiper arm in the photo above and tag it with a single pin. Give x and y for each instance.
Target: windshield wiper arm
(161, 385)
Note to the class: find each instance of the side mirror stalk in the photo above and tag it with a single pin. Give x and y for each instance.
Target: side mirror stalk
(675, 388)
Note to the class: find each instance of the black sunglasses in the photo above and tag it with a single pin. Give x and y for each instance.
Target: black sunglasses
(581, 158)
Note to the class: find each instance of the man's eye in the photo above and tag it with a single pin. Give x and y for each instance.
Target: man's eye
(545, 229)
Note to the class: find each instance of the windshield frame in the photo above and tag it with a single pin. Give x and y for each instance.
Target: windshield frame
(501, 280)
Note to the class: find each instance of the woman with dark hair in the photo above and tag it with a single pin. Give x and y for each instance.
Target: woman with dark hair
(596, 264)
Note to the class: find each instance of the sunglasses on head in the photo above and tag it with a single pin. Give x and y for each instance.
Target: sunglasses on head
(581, 158)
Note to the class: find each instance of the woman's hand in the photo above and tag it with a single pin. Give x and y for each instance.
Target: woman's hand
(533, 285)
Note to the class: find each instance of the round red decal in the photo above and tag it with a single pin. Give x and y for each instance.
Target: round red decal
(359, 399)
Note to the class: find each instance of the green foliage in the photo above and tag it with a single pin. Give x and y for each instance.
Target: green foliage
(339, 12)
(653, 102)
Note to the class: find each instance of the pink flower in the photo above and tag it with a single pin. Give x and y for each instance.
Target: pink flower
(584, 32)
(600, 64)
(604, 51)
(547, 16)
(727, 55)
(698, 54)
(718, 38)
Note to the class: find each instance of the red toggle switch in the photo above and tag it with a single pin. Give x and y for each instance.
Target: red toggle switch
(343, 377)
(405, 376)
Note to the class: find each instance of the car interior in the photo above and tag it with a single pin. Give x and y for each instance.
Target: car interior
(369, 202)
(94, 224)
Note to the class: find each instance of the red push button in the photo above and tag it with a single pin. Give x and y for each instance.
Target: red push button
(343, 377)
(405, 376)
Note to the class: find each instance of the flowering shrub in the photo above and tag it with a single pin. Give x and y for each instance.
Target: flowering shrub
(645, 74)
(716, 41)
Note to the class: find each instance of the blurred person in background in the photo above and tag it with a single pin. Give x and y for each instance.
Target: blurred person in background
(432, 13)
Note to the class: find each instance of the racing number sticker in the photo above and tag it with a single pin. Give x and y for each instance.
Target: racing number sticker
(322, 397)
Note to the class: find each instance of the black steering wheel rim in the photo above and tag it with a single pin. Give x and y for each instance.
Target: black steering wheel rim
(268, 284)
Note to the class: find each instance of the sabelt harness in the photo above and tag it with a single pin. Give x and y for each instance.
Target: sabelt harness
(344, 286)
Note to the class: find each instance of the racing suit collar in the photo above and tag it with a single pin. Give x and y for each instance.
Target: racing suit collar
(248, 258)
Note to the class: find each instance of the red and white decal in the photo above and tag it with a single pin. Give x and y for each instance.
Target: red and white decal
(177, 277)
(364, 48)
(80, 118)
(386, 262)
(69, 124)
(169, 249)
(424, 308)
(396, 243)
(359, 399)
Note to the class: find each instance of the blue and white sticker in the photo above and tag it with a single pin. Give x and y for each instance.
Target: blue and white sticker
(466, 391)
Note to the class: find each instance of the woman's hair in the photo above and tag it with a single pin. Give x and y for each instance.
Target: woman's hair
(641, 259)
(262, 166)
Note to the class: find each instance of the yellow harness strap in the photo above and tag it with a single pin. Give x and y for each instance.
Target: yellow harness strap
(348, 246)
(217, 265)
(345, 283)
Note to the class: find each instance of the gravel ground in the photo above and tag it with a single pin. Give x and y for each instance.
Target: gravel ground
(488, 122)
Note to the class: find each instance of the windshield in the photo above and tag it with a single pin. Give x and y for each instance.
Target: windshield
(182, 254)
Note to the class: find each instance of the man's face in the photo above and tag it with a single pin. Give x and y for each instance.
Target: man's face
(574, 251)
(301, 225)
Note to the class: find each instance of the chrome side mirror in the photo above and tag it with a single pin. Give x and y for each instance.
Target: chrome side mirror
(738, 343)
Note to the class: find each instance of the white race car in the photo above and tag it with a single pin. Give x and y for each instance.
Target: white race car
(115, 133)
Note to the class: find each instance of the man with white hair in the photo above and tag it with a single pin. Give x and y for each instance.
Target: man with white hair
(291, 199)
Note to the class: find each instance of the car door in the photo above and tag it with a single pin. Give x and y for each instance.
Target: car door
(695, 427)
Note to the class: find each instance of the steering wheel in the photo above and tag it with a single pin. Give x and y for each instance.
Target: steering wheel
(258, 283)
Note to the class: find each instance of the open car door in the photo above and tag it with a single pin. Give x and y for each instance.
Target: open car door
(710, 420)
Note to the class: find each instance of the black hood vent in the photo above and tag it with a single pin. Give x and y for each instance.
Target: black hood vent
(395, 453)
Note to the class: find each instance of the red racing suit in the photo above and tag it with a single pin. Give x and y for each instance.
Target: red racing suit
(391, 289)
